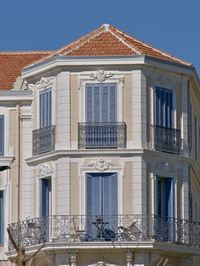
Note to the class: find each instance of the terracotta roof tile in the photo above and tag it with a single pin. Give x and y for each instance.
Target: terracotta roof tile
(11, 64)
(109, 41)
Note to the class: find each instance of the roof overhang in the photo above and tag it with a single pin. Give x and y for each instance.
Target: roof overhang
(59, 61)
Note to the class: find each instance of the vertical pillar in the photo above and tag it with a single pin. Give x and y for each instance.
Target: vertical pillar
(63, 111)
(129, 258)
(73, 256)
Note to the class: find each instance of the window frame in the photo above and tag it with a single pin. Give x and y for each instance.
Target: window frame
(174, 122)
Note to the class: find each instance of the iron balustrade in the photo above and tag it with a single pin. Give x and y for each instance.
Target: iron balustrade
(119, 228)
(43, 140)
(167, 139)
(101, 135)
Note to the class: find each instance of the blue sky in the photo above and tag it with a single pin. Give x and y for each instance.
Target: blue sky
(171, 25)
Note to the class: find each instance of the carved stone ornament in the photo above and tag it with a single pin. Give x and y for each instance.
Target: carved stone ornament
(45, 81)
(102, 263)
(101, 165)
(44, 170)
(101, 75)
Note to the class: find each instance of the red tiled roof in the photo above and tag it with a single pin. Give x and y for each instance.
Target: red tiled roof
(104, 41)
(11, 64)
(109, 41)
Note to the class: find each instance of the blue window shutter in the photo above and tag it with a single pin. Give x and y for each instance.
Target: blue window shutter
(164, 107)
(1, 135)
(110, 198)
(105, 103)
(96, 104)
(89, 103)
(45, 112)
(101, 102)
(1, 217)
(45, 197)
(94, 196)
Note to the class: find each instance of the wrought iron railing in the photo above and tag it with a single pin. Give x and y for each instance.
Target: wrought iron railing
(167, 139)
(101, 135)
(121, 228)
(43, 140)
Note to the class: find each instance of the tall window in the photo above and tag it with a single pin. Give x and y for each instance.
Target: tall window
(1, 217)
(45, 197)
(102, 202)
(101, 102)
(1, 135)
(164, 107)
(45, 108)
(165, 196)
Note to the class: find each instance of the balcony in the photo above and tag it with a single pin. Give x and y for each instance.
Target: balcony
(167, 139)
(43, 140)
(101, 135)
(121, 229)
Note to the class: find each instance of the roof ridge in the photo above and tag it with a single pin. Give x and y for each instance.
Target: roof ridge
(152, 47)
(136, 50)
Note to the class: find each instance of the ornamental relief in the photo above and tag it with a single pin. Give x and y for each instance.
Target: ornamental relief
(102, 263)
(101, 165)
(43, 83)
(100, 76)
(44, 170)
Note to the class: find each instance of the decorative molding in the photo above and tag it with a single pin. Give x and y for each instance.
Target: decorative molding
(102, 263)
(44, 81)
(101, 75)
(45, 170)
(101, 165)
(162, 80)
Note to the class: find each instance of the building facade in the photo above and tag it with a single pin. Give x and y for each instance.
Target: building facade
(100, 155)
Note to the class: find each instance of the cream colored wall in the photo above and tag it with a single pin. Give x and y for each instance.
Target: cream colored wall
(75, 189)
(75, 108)
(127, 104)
(13, 171)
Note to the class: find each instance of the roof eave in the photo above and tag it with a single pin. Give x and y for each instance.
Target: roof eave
(60, 61)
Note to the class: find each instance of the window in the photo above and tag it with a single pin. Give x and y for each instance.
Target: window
(164, 107)
(166, 137)
(164, 209)
(101, 102)
(1, 135)
(165, 196)
(45, 108)
(1, 217)
(101, 202)
(45, 197)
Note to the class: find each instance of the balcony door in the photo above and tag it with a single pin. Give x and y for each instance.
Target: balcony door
(45, 197)
(101, 203)
(101, 115)
(164, 107)
(165, 208)
(101, 103)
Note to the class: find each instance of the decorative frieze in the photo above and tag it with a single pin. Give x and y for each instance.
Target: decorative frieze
(45, 169)
(101, 75)
(101, 165)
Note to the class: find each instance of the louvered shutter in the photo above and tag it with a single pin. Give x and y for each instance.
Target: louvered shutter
(45, 197)
(164, 107)
(45, 108)
(101, 102)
